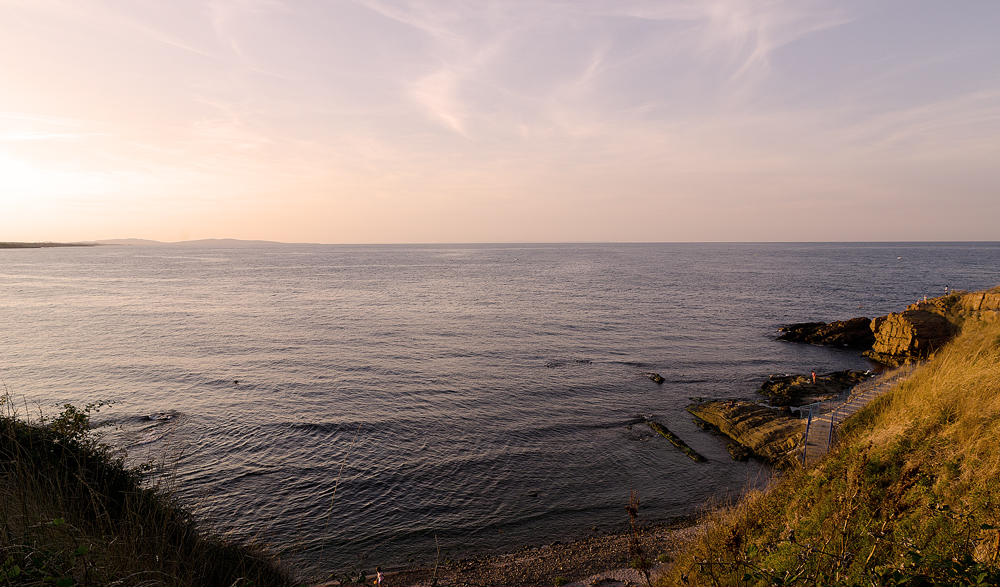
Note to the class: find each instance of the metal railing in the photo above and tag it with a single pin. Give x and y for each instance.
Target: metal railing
(843, 406)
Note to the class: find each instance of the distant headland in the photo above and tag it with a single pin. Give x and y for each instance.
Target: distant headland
(139, 242)
(205, 242)
(4, 245)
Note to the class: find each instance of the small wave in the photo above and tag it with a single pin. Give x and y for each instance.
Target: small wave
(149, 437)
(555, 364)
(631, 363)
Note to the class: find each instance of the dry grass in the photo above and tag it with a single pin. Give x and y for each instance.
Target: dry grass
(912, 489)
(72, 513)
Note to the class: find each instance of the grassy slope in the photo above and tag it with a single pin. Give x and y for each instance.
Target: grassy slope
(909, 497)
(73, 514)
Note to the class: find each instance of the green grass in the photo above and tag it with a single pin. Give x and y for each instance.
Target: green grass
(911, 495)
(72, 513)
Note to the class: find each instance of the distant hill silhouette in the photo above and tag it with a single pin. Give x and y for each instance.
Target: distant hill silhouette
(206, 242)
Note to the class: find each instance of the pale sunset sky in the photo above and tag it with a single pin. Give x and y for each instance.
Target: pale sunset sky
(383, 121)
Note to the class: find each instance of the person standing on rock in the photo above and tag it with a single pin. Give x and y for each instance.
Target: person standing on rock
(379, 577)
(814, 377)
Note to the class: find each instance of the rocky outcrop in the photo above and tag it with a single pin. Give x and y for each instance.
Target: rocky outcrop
(853, 333)
(910, 335)
(980, 301)
(770, 434)
(927, 325)
(799, 390)
(913, 334)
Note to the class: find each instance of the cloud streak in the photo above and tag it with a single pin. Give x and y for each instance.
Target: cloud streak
(376, 120)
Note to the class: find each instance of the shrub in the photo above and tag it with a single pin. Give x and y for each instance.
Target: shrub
(72, 513)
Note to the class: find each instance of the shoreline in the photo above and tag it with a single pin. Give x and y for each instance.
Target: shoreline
(599, 560)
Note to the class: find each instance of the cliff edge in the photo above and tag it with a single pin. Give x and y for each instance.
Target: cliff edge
(926, 326)
(911, 335)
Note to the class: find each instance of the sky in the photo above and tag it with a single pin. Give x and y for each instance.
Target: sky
(406, 121)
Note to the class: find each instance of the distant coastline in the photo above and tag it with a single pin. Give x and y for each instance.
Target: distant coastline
(138, 242)
(43, 245)
(205, 242)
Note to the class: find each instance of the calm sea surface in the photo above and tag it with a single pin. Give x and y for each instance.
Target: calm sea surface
(348, 404)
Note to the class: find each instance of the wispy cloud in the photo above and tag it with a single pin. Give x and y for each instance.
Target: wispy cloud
(363, 105)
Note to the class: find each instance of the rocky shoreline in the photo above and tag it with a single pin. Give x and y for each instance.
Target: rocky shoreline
(771, 433)
(600, 560)
(898, 338)
(763, 432)
(768, 432)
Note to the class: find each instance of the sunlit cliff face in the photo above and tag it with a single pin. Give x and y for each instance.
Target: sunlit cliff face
(372, 121)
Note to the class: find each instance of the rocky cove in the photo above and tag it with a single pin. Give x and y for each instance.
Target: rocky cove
(769, 430)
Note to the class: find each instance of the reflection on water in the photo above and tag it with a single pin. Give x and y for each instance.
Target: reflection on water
(483, 395)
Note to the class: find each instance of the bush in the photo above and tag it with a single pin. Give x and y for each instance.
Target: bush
(73, 513)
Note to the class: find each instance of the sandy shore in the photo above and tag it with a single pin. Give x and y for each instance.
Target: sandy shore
(598, 561)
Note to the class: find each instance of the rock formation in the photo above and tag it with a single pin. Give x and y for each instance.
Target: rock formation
(910, 335)
(676, 441)
(799, 390)
(980, 301)
(913, 334)
(771, 434)
(925, 326)
(853, 333)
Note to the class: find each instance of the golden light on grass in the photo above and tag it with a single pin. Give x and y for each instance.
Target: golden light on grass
(913, 488)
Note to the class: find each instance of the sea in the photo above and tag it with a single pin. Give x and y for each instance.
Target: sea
(394, 405)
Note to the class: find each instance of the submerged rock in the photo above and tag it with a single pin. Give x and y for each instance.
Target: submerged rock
(676, 441)
(738, 451)
(769, 434)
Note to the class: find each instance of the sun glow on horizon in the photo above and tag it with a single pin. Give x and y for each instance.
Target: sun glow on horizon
(408, 121)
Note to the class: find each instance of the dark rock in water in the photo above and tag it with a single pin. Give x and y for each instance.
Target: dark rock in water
(702, 424)
(656, 377)
(799, 390)
(854, 333)
(793, 331)
(738, 451)
(676, 441)
(766, 432)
